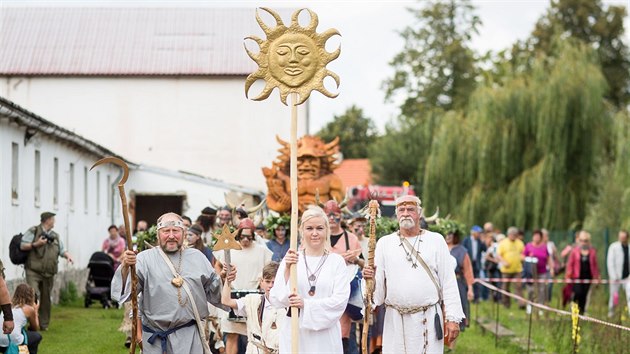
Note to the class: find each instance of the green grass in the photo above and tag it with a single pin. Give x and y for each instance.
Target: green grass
(75, 329)
(79, 330)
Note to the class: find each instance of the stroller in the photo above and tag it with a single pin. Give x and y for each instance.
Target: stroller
(99, 280)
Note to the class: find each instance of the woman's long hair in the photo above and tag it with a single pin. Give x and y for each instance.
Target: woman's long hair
(23, 295)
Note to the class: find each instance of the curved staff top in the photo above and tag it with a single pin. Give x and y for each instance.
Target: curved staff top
(294, 60)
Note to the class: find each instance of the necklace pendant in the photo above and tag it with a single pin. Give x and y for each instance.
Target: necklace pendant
(414, 265)
(408, 258)
(312, 277)
(273, 325)
(311, 292)
(177, 282)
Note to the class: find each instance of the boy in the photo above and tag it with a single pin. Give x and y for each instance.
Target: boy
(262, 318)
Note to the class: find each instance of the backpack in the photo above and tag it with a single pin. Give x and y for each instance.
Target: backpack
(15, 253)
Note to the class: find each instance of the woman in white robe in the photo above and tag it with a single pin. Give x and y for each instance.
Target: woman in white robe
(322, 299)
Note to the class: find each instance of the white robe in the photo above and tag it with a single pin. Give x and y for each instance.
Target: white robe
(320, 331)
(398, 283)
(265, 334)
(158, 306)
(249, 264)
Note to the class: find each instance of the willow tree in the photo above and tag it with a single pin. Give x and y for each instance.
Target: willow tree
(612, 204)
(527, 151)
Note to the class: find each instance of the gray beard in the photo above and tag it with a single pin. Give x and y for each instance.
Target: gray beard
(407, 224)
(170, 252)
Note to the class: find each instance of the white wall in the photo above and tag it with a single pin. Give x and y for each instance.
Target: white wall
(201, 125)
(81, 230)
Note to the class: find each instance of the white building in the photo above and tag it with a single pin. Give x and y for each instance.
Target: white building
(47, 168)
(161, 86)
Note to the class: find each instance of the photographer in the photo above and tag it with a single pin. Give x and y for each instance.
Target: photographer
(45, 248)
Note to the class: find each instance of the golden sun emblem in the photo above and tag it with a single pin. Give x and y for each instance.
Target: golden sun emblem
(292, 58)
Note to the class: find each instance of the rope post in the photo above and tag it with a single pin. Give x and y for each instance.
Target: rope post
(529, 331)
(496, 325)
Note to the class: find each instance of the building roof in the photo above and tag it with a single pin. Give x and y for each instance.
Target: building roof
(35, 124)
(355, 172)
(93, 41)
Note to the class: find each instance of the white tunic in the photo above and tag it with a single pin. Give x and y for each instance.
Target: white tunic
(399, 283)
(320, 331)
(158, 305)
(263, 332)
(249, 264)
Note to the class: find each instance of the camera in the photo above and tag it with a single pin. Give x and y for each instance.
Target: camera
(49, 238)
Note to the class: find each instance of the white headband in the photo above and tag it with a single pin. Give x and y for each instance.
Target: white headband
(176, 223)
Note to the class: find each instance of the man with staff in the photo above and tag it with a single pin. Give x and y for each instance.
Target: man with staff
(175, 283)
(414, 279)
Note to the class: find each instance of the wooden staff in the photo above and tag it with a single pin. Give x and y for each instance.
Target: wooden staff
(374, 212)
(295, 323)
(132, 269)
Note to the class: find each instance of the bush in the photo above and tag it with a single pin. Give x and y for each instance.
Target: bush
(68, 294)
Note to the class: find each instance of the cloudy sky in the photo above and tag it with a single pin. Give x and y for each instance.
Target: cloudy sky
(370, 39)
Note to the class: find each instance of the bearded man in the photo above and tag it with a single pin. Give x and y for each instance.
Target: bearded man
(167, 311)
(412, 295)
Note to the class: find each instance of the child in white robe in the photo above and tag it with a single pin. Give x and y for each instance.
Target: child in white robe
(262, 318)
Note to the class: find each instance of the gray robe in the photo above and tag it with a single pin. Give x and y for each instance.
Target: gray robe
(158, 305)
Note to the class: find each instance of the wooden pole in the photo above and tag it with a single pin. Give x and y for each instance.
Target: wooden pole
(295, 340)
(132, 269)
(373, 210)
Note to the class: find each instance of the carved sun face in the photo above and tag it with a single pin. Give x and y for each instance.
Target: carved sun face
(292, 58)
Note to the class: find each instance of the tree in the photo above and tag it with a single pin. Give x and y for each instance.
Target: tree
(527, 152)
(355, 132)
(599, 27)
(436, 68)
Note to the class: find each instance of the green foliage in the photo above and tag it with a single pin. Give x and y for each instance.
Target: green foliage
(601, 28)
(385, 226)
(273, 221)
(612, 205)
(396, 156)
(149, 236)
(447, 226)
(68, 294)
(354, 130)
(527, 152)
(436, 68)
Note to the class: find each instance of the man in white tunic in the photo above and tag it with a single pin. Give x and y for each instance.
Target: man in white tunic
(408, 291)
(166, 310)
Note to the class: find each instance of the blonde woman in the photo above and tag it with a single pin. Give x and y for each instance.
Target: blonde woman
(322, 289)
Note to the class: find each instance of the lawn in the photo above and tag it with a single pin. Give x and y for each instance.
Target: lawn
(75, 329)
(79, 330)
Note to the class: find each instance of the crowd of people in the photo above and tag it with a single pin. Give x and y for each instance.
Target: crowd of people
(189, 300)
(509, 262)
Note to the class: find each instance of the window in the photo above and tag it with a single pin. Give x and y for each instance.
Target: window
(37, 178)
(15, 176)
(98, 192)
(109, 195)
(56, 183)
(71, 187)
(85, 190)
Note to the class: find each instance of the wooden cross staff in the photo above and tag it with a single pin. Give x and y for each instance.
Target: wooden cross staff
(226, 242)
(132, 269)
(294, 60)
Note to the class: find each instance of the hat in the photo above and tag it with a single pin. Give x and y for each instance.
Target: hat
(46, 215)
(260, 227)
(196, 229)
(208, 211)
(476, 228)
(246, 223)
(331, 206)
